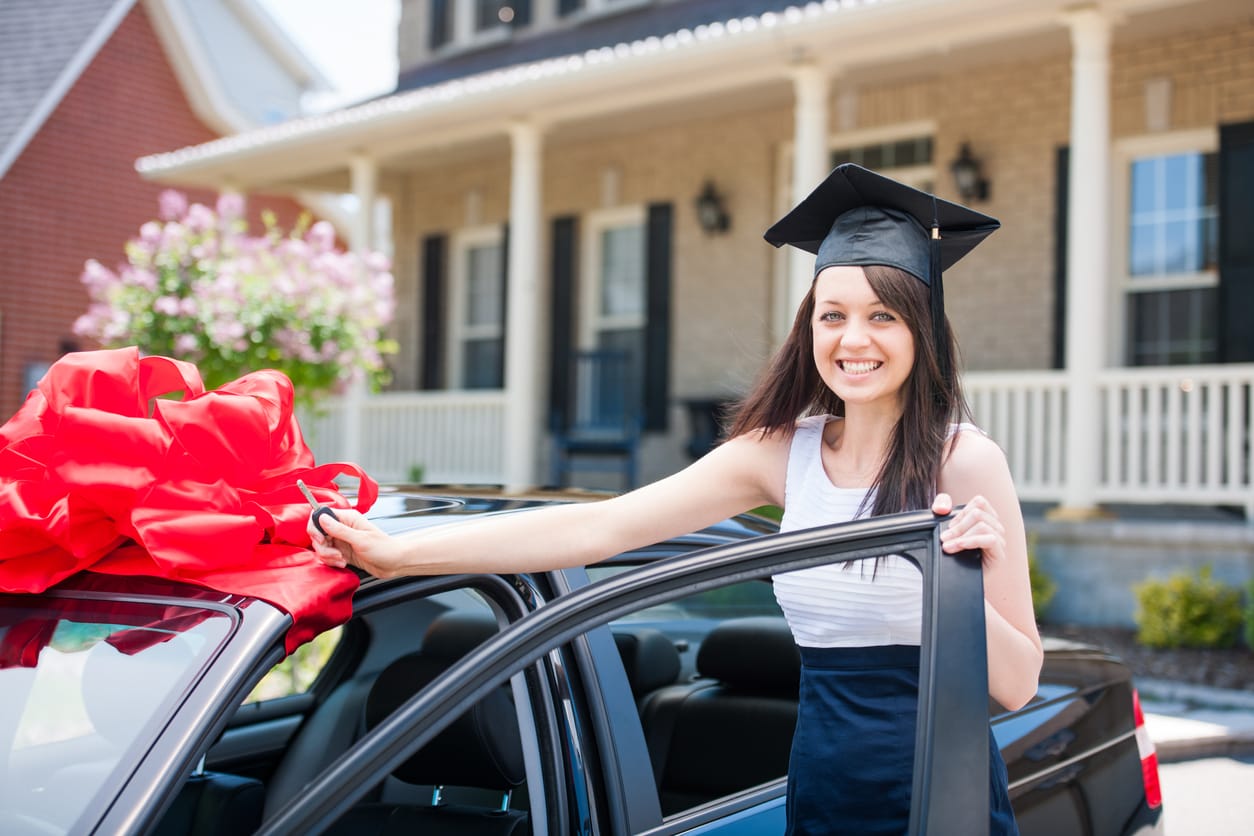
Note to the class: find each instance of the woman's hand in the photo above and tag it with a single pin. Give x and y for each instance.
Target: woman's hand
(976, 526)
(352, 540)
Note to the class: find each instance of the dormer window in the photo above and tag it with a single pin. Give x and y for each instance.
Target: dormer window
(469, 23)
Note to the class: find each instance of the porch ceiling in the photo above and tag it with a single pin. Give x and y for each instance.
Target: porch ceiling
(739, 65)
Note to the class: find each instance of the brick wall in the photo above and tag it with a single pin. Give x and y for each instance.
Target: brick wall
(73, 194)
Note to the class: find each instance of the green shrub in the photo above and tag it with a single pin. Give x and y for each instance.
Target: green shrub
(1043, 586)
(1249, 615)
(1185, 611)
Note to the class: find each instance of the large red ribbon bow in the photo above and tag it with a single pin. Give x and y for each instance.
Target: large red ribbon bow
(99, 472)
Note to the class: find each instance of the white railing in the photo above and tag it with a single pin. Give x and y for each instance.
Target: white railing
(1181, 434)
(436, 437)
(1025, 412)
(1178, 435)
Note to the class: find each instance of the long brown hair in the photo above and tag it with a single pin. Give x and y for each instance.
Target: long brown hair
(791, 388)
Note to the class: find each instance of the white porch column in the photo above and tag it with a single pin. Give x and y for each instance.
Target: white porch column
(809, 165)
(524, 344)
(364, 175)
(1088, 237)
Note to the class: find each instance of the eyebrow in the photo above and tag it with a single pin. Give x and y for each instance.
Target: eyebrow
(875, 301)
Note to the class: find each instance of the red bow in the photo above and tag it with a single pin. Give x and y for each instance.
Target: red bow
(204, 486)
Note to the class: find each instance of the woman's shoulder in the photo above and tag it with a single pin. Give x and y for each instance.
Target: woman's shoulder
(971, 450)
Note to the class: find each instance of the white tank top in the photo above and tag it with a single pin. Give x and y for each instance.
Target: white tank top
(835, 606)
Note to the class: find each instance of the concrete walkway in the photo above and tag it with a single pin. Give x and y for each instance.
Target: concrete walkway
(1193, 721)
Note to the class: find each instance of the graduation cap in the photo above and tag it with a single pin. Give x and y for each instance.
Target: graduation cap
(858, 217)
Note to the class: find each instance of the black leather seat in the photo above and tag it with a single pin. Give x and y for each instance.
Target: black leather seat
(213, 803)
(731, 728)
(481, 750)
(650, 659)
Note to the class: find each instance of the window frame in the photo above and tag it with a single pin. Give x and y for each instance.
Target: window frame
(590, 9)
(1126, 151)
(459, 331)
(591, 321)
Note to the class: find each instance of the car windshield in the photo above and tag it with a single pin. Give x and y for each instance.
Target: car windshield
(84, 682)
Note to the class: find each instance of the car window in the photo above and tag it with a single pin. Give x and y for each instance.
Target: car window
(735, 600)
(82, 681)
(295, 674)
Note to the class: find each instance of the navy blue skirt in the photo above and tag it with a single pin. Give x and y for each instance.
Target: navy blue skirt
(853, 753)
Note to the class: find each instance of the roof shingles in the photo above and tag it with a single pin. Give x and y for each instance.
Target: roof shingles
(38, 41)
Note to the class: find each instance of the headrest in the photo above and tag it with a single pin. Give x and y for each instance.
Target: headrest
(649, 657)
(482, 747)
(117, 709)
(453, 634)
(754, 654)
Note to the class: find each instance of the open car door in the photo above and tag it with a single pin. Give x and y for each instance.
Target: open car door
(952, 729)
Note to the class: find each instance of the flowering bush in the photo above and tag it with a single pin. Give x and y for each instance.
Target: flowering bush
(198, 287)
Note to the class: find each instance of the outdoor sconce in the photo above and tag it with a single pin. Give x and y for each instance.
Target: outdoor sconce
(711, 212)
(967, 177)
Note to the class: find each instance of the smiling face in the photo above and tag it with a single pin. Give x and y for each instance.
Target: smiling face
(863, 349)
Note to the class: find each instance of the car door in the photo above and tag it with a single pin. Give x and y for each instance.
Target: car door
(951, 743)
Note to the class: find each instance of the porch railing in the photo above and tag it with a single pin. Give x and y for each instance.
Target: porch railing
(1182, 434)
(435, 437)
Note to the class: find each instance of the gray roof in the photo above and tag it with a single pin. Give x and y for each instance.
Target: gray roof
(594, 33)
(39, 40)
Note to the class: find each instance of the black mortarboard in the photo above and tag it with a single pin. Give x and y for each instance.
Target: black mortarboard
(858, 217)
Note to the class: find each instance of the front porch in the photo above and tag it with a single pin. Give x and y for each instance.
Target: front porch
(1172, 435)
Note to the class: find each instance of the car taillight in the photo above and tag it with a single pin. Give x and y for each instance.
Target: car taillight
(1149, 757)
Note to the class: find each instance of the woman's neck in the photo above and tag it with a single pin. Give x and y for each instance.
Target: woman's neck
(859, 444)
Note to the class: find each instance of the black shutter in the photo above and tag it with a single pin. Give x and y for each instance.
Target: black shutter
(434, 268)
(1236, 244)
(1062, 164)
(438, 35)
(657, 334)
(565, 7)
(522, 12)
(562, 319)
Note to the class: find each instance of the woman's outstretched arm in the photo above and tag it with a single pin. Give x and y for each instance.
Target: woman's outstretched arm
(743, 473)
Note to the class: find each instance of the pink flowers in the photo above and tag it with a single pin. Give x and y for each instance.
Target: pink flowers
(197, 286)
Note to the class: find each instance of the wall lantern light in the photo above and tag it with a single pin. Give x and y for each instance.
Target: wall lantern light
(711, 212)
(967, 177)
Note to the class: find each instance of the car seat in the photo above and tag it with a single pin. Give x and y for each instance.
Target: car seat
(732, 727)
(480, 753)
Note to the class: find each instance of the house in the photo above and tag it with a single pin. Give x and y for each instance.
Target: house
(86, 87)
(582, 173)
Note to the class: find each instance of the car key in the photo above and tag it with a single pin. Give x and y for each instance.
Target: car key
(319, 510)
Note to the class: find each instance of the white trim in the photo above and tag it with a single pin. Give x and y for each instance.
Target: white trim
(883, 133)
(276, 41)
(1123, 152)
(593, 9)
(591, 322)
(462, 242)
(193, 69)
(1171, 281)
(53, 96)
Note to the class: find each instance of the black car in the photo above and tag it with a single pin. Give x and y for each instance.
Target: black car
(653, 693)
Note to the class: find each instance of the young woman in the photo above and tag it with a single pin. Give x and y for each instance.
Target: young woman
(859, 413)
